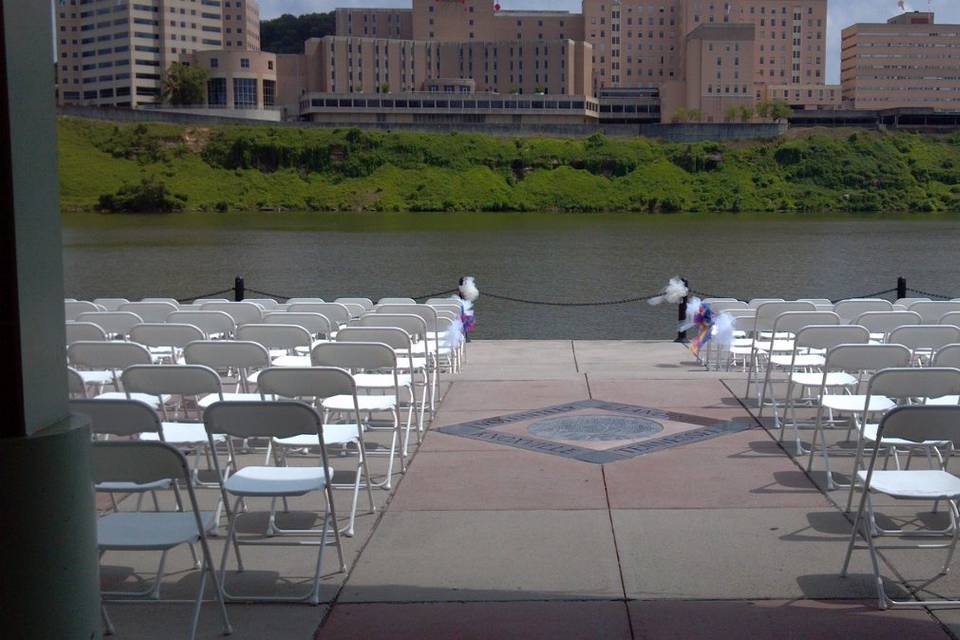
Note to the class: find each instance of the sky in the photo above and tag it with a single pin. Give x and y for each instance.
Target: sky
(841, 14)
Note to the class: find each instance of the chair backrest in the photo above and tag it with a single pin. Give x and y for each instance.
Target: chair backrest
(886, 321)
(451, 300)
(392, 336)
(742, 313)
(854, 358)
(712, 301)
(355, 310)
(921, 424)
(118, 417)
(77, 331)
(414, 325)
(110, 304)
(396, 301)
(924, 336)
(453, 308)
(720, 306)
(166, 335)
(931, 312)
(72, 309)
(151, 311)
(223, 354)
(334, 312)
(756, 303)
(366, 303)
(909, 301)
(428, 313)
(354, 356)
(793, 321)
(241, 312)
(141, 462)
(112, 322)
(947, 356)
(107, 355)
(305, 301)
(914, 382)
(265, 419)
(276, 336)
(830, 336)
(76, 387)
(768, 312)
(189, 307)
(314, 323)
(175, 379)
(202, 301)
(305, 382)
(172, 301)
(951, 317)
(267, 304)
(212, 323)
(816, 301)
(443, 314)
(851, 309)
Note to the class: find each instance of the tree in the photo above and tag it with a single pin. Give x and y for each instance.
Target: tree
(780, 110)
(287, 33)
(184, 84)
(731, 114)
(384, 88)
(680, 116)
(746, 113)
(763, 110)
(695, 115)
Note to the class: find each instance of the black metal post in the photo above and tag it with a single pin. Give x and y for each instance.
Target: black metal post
(682, 315)
(238, 289)
(901, 288)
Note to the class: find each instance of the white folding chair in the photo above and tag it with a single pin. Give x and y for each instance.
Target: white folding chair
(282, 341)
(267, 304)
(850, 310)
(308, 385)
(172, 301)
(881, 323)
(166, 340)
(366, 303)
(116, 324)
(369, 358)
(931, 312)
(416, 328)
(851, 364)
(914, 424)
(151, 311)
(924, 340)
(73, 308)
(305, 301)
(214, 324)
(110, 304)
(100, 364)
(144, 463)
(77, 331)
(273, 419)
(203, 301)
(338, 314)
(235, 360)
(241, 312)
(76, 387)
(951, 318)
(906, 302)
(764, 319)
(756, 303)
(317, 325)
(383, 301)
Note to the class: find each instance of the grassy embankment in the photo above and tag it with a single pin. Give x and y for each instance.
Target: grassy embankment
(244, 168)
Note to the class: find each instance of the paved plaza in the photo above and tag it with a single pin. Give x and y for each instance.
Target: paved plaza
(579, 490)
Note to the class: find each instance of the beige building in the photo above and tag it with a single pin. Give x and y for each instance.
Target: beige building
(909, 61)
(807, 97)
(238, 79)
(114, 53)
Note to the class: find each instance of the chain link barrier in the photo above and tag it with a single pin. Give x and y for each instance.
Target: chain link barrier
(928, 294)
(205, 295)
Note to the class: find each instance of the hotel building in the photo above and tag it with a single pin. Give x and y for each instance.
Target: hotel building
(114, 52)
(909, 61)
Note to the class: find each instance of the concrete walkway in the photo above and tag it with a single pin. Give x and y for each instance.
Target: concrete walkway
(494, 532)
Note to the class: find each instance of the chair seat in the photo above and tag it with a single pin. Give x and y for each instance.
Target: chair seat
(870, 435)
(920, 484)
(855, 403)
(332, 434)
(945, 401)
(276, 481)
(366, 403)
(814, 379)
(146, 398)
(208, 400)
(182, 433)
(777, 346)
(804, 360)
(96, 377)
(133, 487)
(151, 530)
(380, 380)
(403, 363)
(287, 361)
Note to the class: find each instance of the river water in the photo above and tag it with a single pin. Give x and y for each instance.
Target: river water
(552, 257)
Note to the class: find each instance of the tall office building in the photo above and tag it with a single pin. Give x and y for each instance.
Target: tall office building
(114, 52)
(909, 61)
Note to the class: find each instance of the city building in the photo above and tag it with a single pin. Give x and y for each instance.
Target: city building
(114, 52)
(909, 61)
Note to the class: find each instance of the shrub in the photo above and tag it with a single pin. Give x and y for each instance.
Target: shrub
(148, 196)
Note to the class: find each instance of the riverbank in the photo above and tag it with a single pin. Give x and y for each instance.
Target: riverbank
(242, 168)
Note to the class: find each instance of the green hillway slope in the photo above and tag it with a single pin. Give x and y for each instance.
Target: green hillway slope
(228, 168)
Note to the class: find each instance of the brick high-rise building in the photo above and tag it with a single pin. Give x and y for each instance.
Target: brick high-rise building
(114, 52)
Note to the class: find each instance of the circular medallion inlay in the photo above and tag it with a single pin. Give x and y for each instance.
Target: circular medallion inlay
(595, 428)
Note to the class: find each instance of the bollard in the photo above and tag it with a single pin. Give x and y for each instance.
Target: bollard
(901, 288)
(682, 315)
(238, 292)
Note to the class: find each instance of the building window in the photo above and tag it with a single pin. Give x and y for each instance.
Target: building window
(217, 92)
(245, 93)
(244, 63)
(269, 92)
(214, 63)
